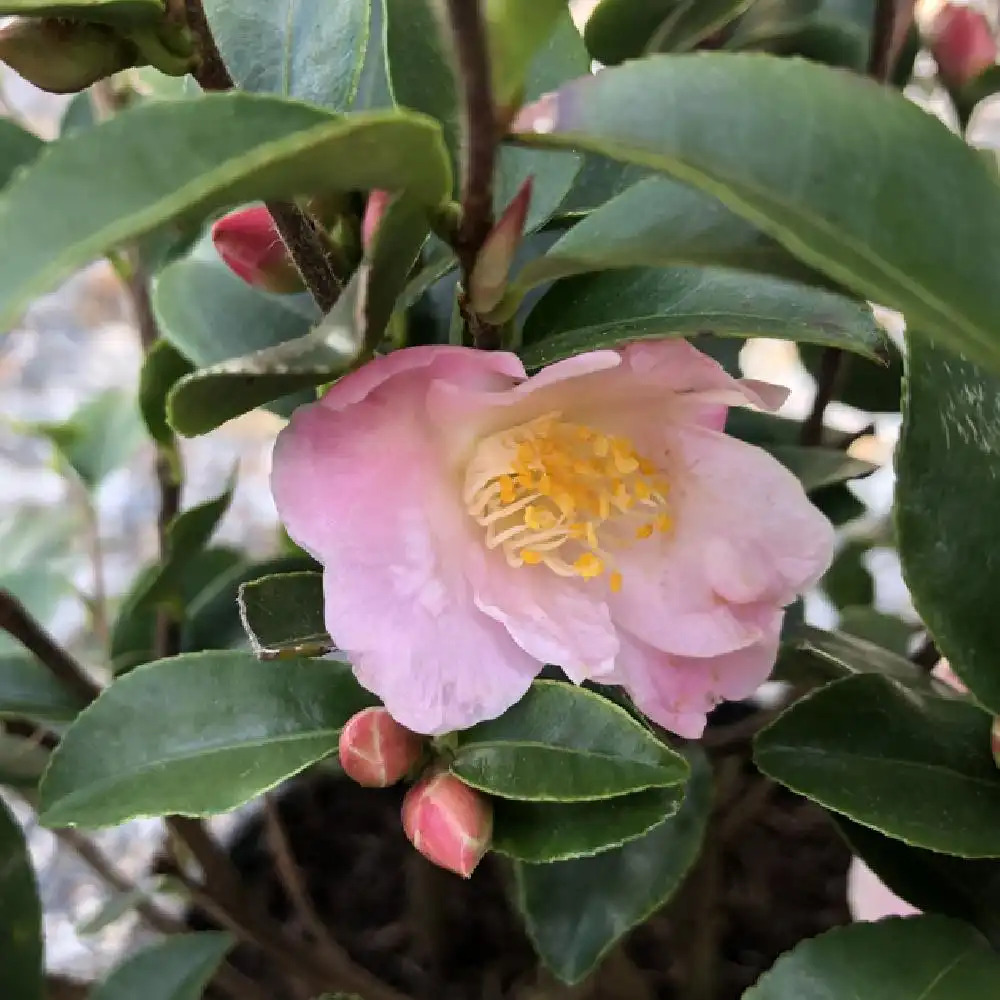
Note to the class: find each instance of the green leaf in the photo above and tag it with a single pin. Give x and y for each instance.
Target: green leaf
(877, 234)
(546, 831)
(695, 21)
(945, 467)
(848, 581)
(838, 504)
(603, 310)
(875, 387)
(621, 29)
(163, 368)
(893, 759)
(283, 615)
(124, 12)
(22, 762)
(836, 32)
(932, 882)
(196, 734)
(224, 149)
(820, 467)
(373, 85)
(20, 916)
(575, 911)
(811, 655)
(599, 180)
(101, 436)
(562, 743)
(79, 114)
(18, 148)
(886, 631)
(191, 529)
(118, 904)
(659, 222)
(308, 49)
(515, 30)
(211, 315)
(176, 969)
(921, 958)
(28, 689)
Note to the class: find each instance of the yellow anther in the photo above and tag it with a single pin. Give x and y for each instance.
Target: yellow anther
(644, 531)
(590, 533)
(531, 557)
(663, 522)
(642, 490)
(507, 489)
(601, 446)
(625, 461)
(646, 467)
(615, 582)
(588, 566)
(565, 503)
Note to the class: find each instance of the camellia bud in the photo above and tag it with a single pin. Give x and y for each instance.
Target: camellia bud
(962, 44)
(449, 823)
(248, 242)
(62, 56)
(489, 277)
(374, 210)
(995, 740)
(376, 751)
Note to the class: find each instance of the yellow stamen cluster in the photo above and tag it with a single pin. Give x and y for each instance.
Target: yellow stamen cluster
(563, 494)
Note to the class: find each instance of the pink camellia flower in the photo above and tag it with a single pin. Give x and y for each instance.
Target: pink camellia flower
(962, 44)
(449, 823)
(475, 524)
(249, 244)
(376, 751)
(869, 899)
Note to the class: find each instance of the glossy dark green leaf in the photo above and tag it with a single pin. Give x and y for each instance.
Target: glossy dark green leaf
(373, 84)
(922, 958)
(101, 436)
(693, 22)
(562, 743)
(20, 915)
(603, 310)
(308, 49)
(163, 368)
(283, 615)
(884, 630)
(79, 114)
(599, 180)
(621, 29)
(196, 734)
(848, 580)
(176, 969)
(894, 759)
(835, 32)
(659, 222)
(945, 490)
(191, 529)
(838, 504)
(224, 148)
(28, 689)
(817, 468)
(550, 831)
(515, 31)
(869, 385)
(812, 655)
(964, 888)
(107, 11)
(18, 148)
(876, 232)
(575, 911)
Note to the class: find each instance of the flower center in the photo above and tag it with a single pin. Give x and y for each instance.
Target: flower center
(563, 494)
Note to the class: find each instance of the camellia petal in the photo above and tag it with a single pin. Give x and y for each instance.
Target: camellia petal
(475, 524)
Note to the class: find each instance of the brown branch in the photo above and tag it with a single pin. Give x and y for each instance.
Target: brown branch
(831, 368)
(211, 72)
(481, 140)
(15, 620)
(308, 251)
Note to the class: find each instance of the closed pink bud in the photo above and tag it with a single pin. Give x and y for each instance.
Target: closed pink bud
(249, 244)
(995, 740)
(374, 210)
(962, 44)
(488, 281)
(449, 823)
(376, 751)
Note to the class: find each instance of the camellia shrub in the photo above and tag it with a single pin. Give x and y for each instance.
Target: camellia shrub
(544, 545)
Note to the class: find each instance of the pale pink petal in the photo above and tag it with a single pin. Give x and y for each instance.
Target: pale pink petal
(678, 692)
(869, 899)
(745, 539)
(369, 492)
(557, 620)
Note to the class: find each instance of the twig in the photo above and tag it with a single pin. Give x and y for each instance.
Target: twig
(831, 366)
(307, 249)
(289, 873)
(15, 620)
(481, 141)
(99, 596)
(211, 72)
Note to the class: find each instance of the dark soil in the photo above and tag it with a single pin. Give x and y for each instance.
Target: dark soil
(779, 876)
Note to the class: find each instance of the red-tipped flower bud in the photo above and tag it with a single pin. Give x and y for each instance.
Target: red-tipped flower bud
(376, 751)
(449, 823)
(374, 209)
(962, 44)
(62, 56)
(248, 242)
(995, 740)
(488, 281)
